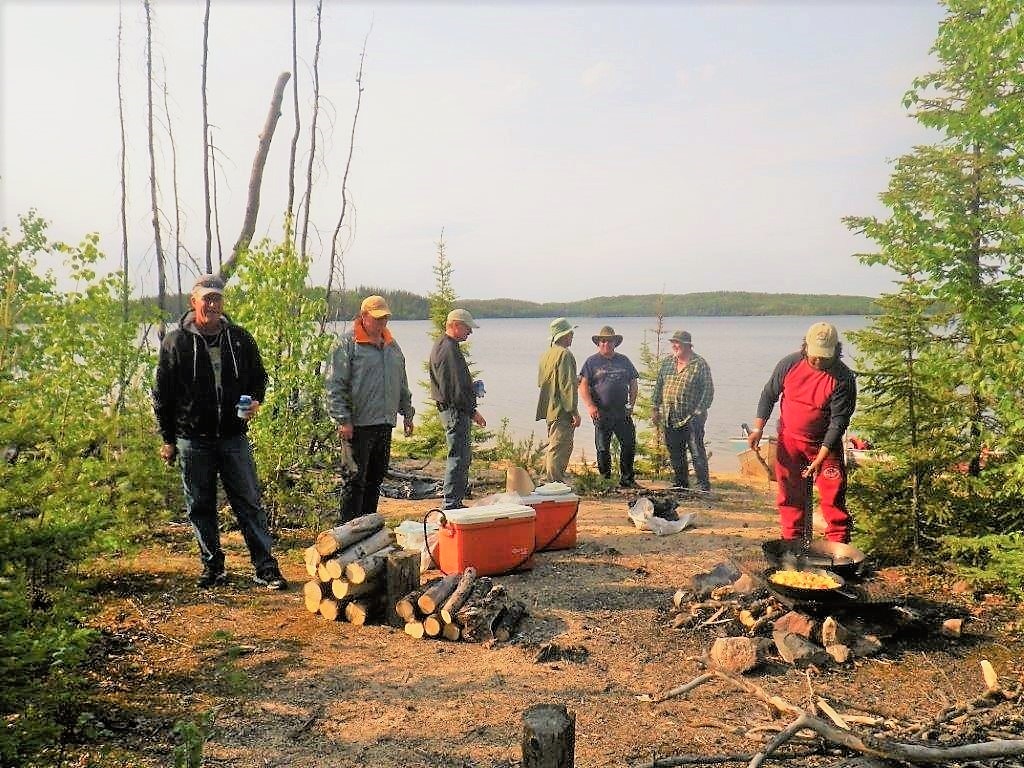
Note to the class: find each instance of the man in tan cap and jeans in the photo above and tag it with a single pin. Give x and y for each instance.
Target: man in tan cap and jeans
(608, 388)
(367, 387)
(818, 395)
(557, 404)
(451, 387)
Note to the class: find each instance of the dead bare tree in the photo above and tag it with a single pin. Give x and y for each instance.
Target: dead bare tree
(252, 206)
(174, 187)
(216, 209)
(206, 136)
(123, 169)
(160, 266)
(336, 254)
(298, 120)
(312, 131)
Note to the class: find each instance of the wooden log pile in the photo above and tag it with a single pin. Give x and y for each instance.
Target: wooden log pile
(752, 625)
(461, 606)
(357, 573)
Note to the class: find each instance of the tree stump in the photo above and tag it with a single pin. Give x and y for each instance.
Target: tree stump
(402, 576)
(549, 737)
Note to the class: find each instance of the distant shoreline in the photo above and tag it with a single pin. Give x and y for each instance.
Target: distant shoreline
(406, 305)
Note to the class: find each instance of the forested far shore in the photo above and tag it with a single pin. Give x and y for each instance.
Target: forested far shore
(410, 306)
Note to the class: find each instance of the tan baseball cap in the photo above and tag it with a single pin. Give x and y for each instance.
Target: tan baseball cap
(821, 340)
(375, 306)
(462, 316)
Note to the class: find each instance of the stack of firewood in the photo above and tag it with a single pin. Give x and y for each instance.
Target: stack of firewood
(357, 573)
(461, 606)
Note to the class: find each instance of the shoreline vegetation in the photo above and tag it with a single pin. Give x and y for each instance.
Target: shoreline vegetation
(406, 305)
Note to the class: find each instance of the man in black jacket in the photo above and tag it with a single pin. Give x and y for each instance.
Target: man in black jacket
(206, 367)
(451, 387)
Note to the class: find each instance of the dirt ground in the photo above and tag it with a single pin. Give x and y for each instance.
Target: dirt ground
(286, 688)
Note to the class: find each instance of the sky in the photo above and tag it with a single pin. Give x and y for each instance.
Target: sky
(563, 150)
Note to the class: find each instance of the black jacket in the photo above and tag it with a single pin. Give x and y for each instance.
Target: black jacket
(185, 397)
(451, 384)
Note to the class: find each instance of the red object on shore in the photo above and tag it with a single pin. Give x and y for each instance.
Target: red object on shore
(494, 539)
(556, 520)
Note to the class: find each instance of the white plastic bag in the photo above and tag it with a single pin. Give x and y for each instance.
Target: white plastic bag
(643, 517)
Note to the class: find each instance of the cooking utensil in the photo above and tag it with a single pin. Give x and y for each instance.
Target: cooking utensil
(800, 593)
(843, 559)
(808, 513)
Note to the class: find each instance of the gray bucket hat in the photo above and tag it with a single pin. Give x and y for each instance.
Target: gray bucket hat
(607, 332)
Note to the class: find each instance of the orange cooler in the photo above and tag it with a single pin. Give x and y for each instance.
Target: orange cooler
(556, 519)
(494, 539)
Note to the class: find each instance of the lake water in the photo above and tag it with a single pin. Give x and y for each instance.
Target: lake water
(742, 351)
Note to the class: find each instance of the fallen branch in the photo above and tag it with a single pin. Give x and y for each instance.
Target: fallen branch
(892, 750)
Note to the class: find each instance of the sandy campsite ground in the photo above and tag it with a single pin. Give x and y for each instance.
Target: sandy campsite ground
(290, 689)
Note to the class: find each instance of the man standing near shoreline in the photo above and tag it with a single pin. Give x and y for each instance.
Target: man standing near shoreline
(608, 388)
(206, 365)
(557, 404)
(682, 395)
(819, 394)
(451, 387)
(367, 387)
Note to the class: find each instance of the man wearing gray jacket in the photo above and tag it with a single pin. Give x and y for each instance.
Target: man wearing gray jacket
(367, 387)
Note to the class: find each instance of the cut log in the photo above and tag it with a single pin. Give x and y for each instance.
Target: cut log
(406, 607)
(451, 632)
(479, 618)
(330, 608)
(333, 568)
(402, 577)
(458, 597)
(370, 567)
(372, 543)
(364, 609)
(312, 559)
(481, 587)
(329, 542)
(343, 589)
(432, 625)
(509, 622)
(414, 629)
(312, 593)
(549, 737)
(433, 597)
(323, 573)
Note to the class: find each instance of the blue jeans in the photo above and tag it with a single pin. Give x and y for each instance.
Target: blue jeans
(624, 429)
(456, 468)
(371, 450)
(202, 460)
(689, 437)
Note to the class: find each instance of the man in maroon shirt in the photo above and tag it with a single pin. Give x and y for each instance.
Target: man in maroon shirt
(818, 395)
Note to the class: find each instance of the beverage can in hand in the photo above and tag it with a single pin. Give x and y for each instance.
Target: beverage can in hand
(244, 405)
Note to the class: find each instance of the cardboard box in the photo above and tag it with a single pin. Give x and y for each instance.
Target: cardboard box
(556, 520)
(494, 539)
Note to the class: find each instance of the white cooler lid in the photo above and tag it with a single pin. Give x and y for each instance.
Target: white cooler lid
(488, 513)
(539, 498)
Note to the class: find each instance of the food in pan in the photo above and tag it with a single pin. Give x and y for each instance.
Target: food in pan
(803, 580)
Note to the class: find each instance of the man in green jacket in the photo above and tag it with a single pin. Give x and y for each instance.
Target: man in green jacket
(557, 404)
